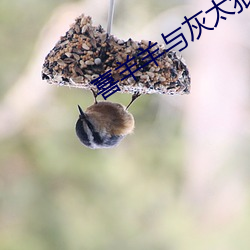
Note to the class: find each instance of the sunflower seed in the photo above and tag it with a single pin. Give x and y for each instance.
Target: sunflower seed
(85, 46)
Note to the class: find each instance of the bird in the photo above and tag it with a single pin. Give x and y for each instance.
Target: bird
(104, 124)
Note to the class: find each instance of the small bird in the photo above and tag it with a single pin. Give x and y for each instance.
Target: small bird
(104, 124)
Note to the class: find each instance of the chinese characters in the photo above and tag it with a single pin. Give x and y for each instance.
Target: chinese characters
(200, 25)
(107, 85)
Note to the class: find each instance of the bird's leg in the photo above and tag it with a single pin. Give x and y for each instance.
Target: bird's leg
(94, 94)
(134, 97)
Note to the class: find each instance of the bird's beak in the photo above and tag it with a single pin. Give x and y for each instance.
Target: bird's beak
(82, 115)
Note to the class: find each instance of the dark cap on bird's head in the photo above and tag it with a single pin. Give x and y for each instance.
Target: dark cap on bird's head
(80, 131)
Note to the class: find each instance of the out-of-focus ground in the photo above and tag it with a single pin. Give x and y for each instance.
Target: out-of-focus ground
(180, 182)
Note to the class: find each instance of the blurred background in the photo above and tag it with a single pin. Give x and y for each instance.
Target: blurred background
(180, 182)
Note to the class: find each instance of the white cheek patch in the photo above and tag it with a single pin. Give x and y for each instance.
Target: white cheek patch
(90, 135)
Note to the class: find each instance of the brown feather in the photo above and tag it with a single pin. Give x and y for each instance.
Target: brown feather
(111, 117)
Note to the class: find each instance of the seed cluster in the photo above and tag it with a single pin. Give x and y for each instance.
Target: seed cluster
(87, 51)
